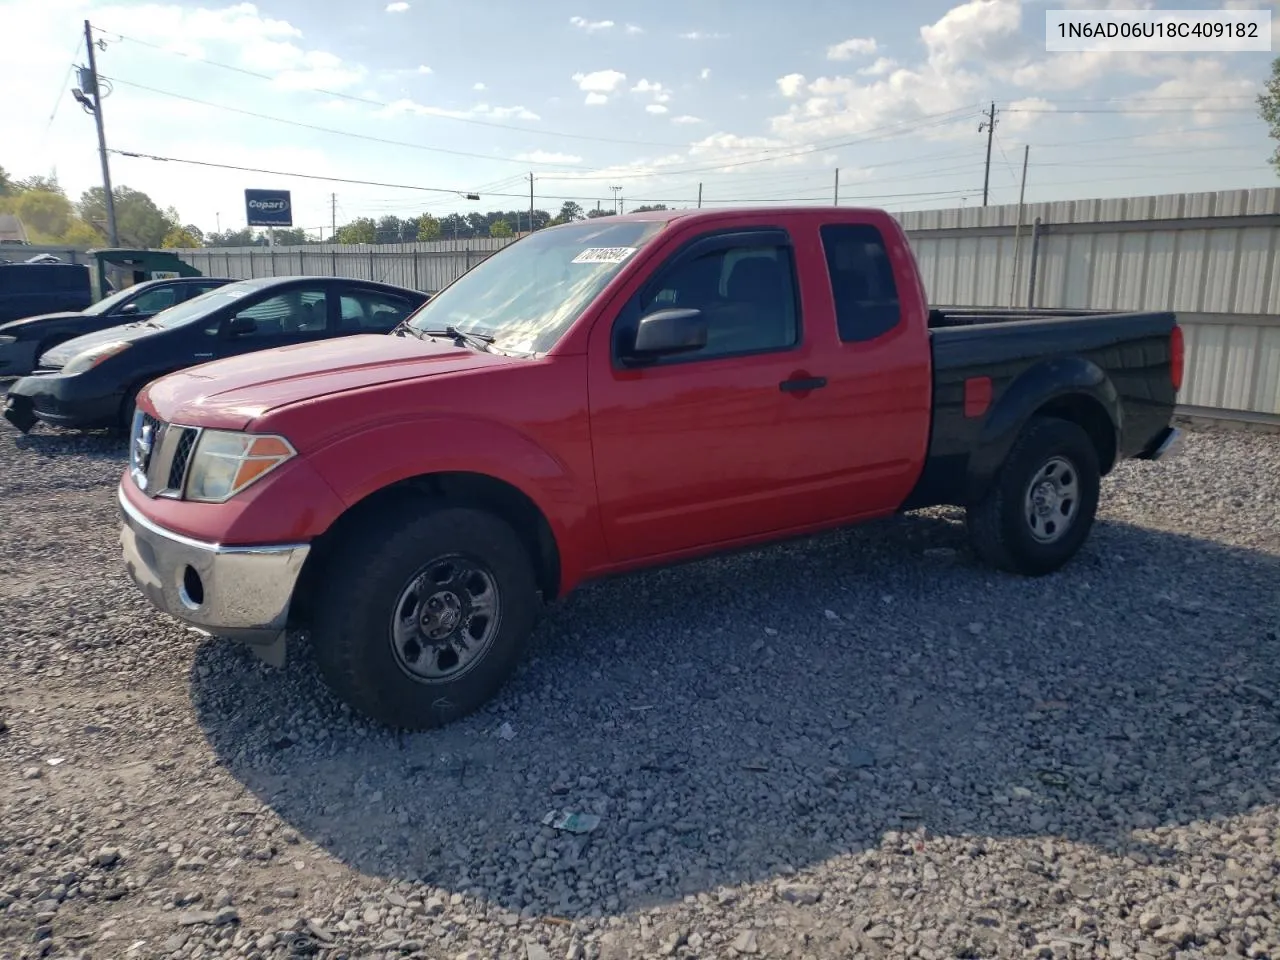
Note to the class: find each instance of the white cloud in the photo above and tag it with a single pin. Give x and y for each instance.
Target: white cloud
(705, 74)
(703, 35)
(659, 93)
(398, 7)
(422, 69)
(480, 111)
(598, 84)
(686, 119)
(655, 108)
(591, 26)
(634, 29)
(976, 31)
(882, 66)
(479, 85)
(543, 156)
(791, 84)
(848, 49)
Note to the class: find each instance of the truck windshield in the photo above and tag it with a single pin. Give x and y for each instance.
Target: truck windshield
(530, 292)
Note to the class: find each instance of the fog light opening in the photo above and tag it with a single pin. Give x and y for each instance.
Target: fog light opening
(192, 593)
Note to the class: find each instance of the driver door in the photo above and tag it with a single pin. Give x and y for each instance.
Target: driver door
(278, 318)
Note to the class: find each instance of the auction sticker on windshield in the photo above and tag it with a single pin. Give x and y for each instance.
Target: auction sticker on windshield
(604, 254)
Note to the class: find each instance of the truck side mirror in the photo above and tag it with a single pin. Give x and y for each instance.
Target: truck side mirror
(668, 332)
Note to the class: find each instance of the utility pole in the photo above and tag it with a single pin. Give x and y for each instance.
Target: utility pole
(333, 216)
(988, 125)
(617, 191)
(836, 201)
(699, 196)
(1017, 230)
(91, 88)
(531, 201)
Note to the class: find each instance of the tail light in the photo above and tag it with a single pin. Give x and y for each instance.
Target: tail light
(1177, 357)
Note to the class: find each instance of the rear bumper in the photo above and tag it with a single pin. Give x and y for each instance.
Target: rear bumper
(239, 592)
(66, 401)
(17, 359)
(1166, 444)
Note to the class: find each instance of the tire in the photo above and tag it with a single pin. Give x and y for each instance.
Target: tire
(1021, 525)
(127, 406)
(364, 643)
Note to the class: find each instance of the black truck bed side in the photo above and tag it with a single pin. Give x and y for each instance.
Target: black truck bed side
(1109, 372)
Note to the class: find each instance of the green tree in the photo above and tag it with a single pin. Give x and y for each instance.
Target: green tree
(182, 238)
(230, 238)
(81, 234)
(45, 213)
(139, 222)
(361, 230)
(291, 237)
(500, 228)
(7, 186)
(650, 209)
(428, 228)
(599, 212)
(1269, 109)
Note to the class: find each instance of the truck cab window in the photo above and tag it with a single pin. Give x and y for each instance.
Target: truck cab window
(866, 297)
(747, 294)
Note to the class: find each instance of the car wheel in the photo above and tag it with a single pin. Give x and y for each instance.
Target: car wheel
(420, 619)
(1041, 506)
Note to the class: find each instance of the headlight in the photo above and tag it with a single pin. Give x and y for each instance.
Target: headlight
(94, 356)
(225, 462)
(6, 340)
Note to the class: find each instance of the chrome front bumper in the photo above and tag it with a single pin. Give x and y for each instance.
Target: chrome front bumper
(238, 592)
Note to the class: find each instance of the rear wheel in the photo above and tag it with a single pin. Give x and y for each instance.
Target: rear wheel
(421, 618)
(1042, 504)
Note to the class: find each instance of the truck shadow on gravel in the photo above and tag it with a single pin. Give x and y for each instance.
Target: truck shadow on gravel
(741, 719)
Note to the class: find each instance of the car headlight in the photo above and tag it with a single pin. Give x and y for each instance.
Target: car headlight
(225, 462)
(94, 356)
(5, 340)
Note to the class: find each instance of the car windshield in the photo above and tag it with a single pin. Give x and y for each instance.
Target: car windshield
(200, 306)
(106, 303)
(529, 293)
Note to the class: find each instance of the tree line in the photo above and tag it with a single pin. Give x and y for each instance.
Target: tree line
(52, 218)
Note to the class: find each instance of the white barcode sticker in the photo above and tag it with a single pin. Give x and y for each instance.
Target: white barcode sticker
(604, 254)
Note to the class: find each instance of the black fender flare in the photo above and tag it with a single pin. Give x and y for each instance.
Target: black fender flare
(1072, 387)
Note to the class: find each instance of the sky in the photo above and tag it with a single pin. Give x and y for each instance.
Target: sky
(749, 101)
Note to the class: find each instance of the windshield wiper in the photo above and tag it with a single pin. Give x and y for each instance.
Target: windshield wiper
(480, 341)
(405, 327)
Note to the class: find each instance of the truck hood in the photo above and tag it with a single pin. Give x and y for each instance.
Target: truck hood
(15, 328)
(61, 355)
(232, 393)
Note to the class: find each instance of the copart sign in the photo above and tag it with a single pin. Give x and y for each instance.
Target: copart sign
(268, 208)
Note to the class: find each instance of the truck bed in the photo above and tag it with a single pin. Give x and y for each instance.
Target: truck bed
(988, 360)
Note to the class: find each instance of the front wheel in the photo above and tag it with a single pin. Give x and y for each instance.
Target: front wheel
(1042, 504)
(422, 618)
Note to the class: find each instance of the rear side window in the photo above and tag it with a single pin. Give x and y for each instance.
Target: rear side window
(862, 284)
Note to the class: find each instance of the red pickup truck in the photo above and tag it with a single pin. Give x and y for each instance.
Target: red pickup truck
(610, 395)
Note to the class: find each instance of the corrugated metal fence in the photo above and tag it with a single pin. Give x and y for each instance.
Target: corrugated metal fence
(1212, 257)
(420, 266)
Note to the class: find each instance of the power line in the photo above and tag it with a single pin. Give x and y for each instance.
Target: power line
(369, 101)
(332, 130)
(62, 89)
(417, 187)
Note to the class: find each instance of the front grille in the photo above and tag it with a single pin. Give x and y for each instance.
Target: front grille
(160, 454)
(181, 456)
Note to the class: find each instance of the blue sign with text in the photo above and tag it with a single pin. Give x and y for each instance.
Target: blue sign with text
(268, 208)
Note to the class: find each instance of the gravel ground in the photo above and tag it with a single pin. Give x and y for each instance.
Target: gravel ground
(860, 745)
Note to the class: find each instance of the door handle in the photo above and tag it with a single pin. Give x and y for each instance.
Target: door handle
(801, 385)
